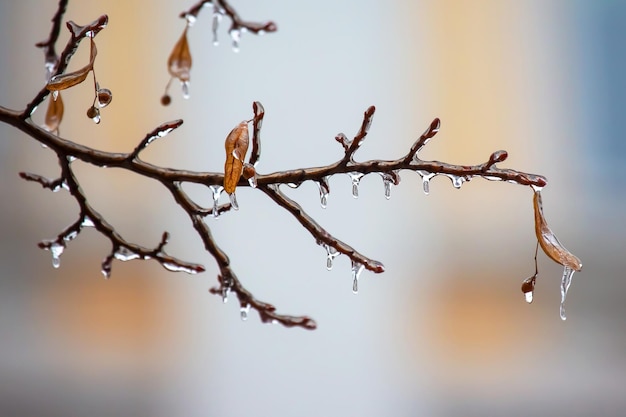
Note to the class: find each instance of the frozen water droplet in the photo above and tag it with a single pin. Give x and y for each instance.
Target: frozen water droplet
(252, 181)
(235, 35)
(233, 201)
(357, 268)
(191, 19)
(104, 97)
(356, 180)
(87, 222)
(70, 236)
(225, 291)
(55, 95)
(426, 177)
(331, 254)
(216, 190)
(56, 249)
(244, 312)
(124, 254)
(217, 17)
(184, 85)
(566, 281)
(294, 184)
(536, 188)
(528, 296)
(387, 181)
(457, 181)
(324, 191)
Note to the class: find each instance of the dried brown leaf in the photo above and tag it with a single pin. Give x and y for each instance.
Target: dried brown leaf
(236, 147)
(54, 114)
(179, 62)
(549, 242)
(70, 79)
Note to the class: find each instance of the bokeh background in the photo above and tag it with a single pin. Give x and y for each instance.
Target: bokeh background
(443, 332)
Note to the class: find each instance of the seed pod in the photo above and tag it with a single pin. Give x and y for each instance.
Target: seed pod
(236, 147)
(548, 241)
(64, 81)
(179, 62)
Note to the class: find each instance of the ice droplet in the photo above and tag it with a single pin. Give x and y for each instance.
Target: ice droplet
(457, 181)
(184, 85)
(252, 181)
(235, 35)
(216, 190)
(426, 177)
(55, 95)
(217, 17)
(245, 309)
(566, 281)
(528, 286)
(356, 179)
(324, 191)
(331, 254)
(225, 291)
(124, 254)
(87, 222)
(191, 19)
(70, 236)
(387, 181)
(536, 188)
(233, 201)
(357, 268)
(56, 249)
(174, 267)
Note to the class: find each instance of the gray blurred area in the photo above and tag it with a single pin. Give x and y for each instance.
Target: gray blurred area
(444, 332)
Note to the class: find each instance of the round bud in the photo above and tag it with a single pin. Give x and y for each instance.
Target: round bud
(166, 100)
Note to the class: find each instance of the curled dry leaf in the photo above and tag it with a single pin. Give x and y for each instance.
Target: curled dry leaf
(548, 241)
(179, 62)
(70, 79)
(236, 147)
(54, 114)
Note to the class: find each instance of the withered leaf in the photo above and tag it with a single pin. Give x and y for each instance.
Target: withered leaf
(70, 79)
(549, 242)
(54, 114)
(179, 62)
(236, 147)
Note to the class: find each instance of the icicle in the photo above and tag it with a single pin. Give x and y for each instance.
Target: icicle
(324, 191)
(233, 201)
(356, 179)
(216, 190)
(566, 281)
(245, 309)
(225, 291)
(457, 181)
(184, 85)
(56, 250)
(331, 254)
(426, 177)
(388, 179)
(235, 35)
(357, 268)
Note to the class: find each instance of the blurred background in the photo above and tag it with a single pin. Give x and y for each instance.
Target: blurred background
(443, 332)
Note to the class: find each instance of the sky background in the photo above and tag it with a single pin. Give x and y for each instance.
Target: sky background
(444, 332)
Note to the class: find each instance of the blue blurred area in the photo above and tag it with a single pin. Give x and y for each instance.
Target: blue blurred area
(443, 332)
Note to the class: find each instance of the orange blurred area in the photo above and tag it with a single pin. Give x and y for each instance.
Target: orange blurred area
(444, 332)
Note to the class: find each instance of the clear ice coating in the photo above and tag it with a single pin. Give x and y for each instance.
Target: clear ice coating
(174, 267)
(357, 268)
(56, 249)
(566, 281)
(331, 254)
(324, 191)
(216, 190)
(356, 179)
(245, 309)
